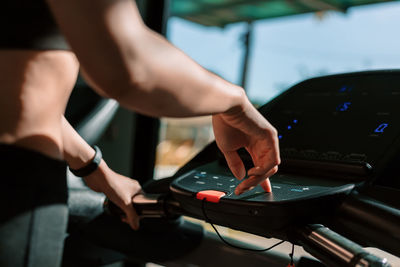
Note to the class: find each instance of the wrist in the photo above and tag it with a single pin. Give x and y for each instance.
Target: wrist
(240, 104)
(230, 97)
(80, 157)
(89, 166)
(97, 180)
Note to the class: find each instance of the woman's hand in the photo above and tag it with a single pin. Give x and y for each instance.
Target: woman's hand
(247, 128)
(118, 188)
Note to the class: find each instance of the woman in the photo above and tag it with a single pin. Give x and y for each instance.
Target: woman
(122, 59)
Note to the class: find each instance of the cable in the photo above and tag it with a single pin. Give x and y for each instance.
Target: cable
(291, 255)
(229, 244)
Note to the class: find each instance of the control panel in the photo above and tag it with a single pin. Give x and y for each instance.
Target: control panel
(344, 119)
(207, 192)
(285, 187)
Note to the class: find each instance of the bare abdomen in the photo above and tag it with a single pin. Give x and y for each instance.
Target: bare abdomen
(34, 89)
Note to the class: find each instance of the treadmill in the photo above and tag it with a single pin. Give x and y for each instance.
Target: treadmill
(340, 149)
(337, 188)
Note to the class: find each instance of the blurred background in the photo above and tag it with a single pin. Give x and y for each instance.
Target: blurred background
(269, 55)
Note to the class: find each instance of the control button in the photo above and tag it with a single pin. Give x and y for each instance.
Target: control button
(231, 180)
(289, 152)
(215, 177)
(296, 190)
(276, 187)
(201, 174)
(210, 195)
(253, 212)
(306, 188)
(200, 182)
(331, 155)
(219, 184)
(310, 154)
(232, 186)
(196, 177)
(356, 157)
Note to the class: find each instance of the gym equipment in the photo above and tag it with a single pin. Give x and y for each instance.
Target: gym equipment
(340, 154)
(340, 149)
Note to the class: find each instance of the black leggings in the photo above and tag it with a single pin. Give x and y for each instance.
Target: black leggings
(33, 208)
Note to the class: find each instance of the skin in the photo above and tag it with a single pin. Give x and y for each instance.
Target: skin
(122, 59)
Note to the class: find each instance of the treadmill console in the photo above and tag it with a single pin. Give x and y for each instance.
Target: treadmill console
(336, 132)
(350, 120)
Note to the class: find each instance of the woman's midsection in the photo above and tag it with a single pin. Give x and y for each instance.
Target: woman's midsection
(34, 90)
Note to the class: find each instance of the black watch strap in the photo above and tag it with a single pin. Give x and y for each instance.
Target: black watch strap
(91, 166)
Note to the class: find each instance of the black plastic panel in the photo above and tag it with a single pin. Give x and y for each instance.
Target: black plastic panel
(285, 187)
(351, 118)
(294, 200)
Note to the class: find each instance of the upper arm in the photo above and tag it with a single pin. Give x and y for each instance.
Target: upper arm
(125, 60)
(105, 35)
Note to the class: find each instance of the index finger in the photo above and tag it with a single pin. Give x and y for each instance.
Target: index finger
(253, 181)
(235, 164)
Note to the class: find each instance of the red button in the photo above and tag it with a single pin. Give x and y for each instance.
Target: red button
(210, 195)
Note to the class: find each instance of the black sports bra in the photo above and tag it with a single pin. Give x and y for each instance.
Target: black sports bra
(28, 24)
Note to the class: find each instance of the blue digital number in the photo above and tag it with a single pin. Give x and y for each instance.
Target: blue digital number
(345, 88)
(381, 128)
(344, 106)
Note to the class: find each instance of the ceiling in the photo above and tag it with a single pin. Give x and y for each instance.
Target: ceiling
(222, 12)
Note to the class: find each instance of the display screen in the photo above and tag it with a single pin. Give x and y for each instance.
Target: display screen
(342, 118)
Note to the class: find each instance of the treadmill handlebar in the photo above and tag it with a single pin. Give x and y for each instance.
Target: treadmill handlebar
(369, 221)
(148, 206)
(334, 249)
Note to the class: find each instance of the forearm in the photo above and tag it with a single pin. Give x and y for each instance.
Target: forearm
(77, 153)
